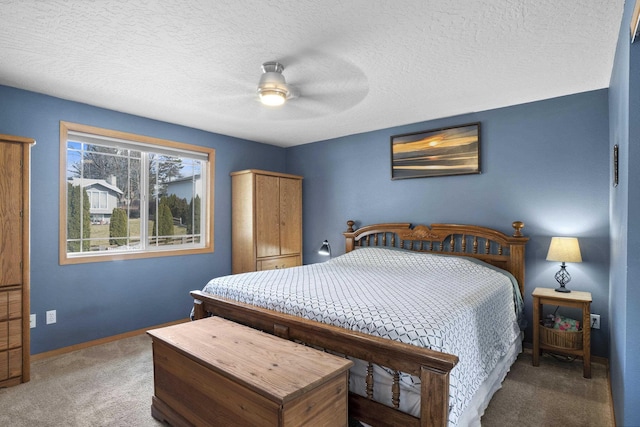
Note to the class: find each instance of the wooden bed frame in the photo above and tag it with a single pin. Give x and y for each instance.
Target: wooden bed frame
(432, 367)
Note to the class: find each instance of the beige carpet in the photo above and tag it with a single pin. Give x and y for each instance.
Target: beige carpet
(552, 394)
(105, 385)
(112, 385)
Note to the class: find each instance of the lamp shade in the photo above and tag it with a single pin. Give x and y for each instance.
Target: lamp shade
(564, 249)
(325, 249)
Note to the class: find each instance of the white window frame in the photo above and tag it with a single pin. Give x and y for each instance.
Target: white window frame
(72, 131)
(100, 195)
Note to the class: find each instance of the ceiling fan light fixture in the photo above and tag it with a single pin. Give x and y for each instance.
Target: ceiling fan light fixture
(272, 88)
(272, 97)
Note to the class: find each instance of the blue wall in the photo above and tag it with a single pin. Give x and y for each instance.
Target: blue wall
(107, 298)
(625, 232)
(545, 163)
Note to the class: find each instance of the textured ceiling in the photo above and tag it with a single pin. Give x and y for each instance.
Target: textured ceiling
(359, 65)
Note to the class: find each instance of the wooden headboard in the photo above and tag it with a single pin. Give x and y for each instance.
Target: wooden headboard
(486, 244)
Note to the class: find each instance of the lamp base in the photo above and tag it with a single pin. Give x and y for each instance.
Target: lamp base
(563, 277)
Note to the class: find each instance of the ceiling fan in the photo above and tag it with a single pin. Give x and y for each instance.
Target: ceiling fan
(317, 84)
(273, 90)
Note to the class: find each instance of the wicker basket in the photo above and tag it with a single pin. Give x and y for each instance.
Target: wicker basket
(562, 340)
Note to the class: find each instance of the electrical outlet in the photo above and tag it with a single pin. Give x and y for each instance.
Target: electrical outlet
(51, 317)
(32, 321)
(595, 321)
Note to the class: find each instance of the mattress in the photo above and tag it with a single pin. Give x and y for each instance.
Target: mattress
(456, 305)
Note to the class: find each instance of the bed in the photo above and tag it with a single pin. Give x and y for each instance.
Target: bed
(421, 358)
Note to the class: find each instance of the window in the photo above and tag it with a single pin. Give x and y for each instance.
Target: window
(98, 199)
(131, 196)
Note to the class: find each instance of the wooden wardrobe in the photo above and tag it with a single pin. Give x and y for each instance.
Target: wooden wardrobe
(14, 259)
(266, 222)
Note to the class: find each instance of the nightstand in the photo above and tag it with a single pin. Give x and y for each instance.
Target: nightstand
(576, 299)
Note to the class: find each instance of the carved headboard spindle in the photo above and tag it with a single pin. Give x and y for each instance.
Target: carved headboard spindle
(499, 249)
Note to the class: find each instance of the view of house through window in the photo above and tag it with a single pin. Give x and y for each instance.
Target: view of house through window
(125, 196)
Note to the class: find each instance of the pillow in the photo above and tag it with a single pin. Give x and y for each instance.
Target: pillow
(565, 324)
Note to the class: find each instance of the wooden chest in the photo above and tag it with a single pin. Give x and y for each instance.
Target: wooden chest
(216, 372)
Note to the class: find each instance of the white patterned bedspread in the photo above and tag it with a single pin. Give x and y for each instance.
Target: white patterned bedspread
(450, 304)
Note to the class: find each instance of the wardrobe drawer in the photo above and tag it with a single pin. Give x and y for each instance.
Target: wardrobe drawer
(280, 262)
(10, 334)
(10, 304)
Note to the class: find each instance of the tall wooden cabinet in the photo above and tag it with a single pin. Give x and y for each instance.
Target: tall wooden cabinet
(14, 259)
(266, 223)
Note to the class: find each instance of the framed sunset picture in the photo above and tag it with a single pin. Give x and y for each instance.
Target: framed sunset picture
(437, 152)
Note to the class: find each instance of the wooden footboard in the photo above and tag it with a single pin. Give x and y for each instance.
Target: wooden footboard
(430, 366)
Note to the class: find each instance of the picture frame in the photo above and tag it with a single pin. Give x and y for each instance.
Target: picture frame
(438, 152)
(635, 21)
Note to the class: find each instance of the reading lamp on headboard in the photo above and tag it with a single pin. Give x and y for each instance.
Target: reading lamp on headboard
(325, 249)
(564, 249)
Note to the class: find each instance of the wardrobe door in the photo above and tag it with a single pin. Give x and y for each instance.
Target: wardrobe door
(267, 216)
(290, 216)
(14, 259)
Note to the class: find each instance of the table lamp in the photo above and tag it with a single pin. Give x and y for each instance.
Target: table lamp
(564, 249)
